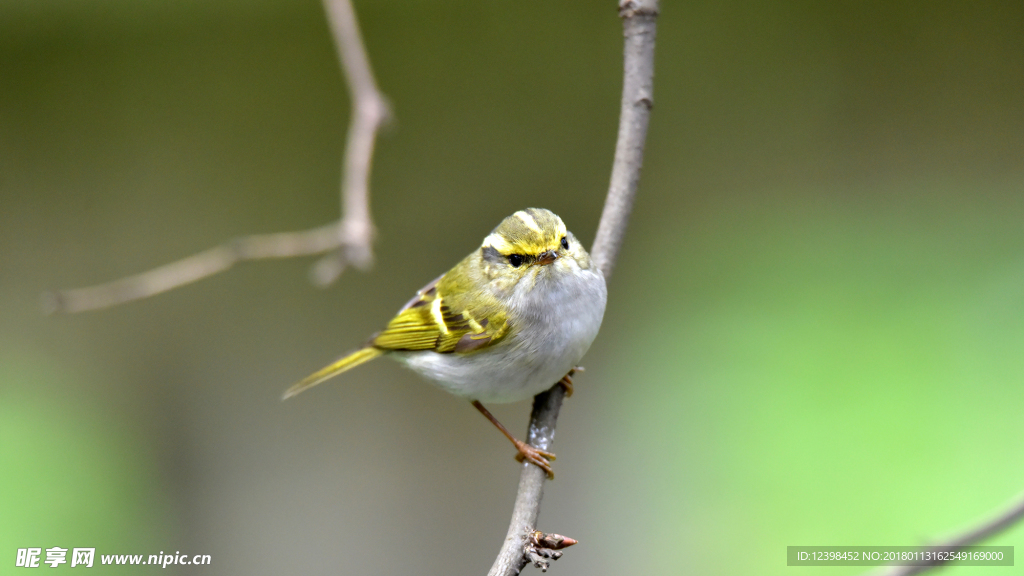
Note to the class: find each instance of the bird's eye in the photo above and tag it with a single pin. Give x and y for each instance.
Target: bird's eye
(565, 243)
(516, 260)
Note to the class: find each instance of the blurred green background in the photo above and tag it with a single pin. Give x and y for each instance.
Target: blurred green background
(814, 333)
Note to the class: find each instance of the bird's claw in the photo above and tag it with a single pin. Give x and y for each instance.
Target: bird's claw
(566, 383)
(566, 380)
(541, 458)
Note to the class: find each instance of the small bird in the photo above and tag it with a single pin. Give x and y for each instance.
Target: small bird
(506, 323)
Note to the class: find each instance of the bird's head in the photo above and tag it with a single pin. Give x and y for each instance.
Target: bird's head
(531, 244)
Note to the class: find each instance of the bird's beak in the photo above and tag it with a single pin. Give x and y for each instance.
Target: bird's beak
(547, 257)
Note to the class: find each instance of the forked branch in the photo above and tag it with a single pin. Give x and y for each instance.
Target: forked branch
(638, 24)
(348, 240)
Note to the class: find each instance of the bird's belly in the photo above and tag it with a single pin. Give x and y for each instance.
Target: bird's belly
(532, 360)
(501, 376)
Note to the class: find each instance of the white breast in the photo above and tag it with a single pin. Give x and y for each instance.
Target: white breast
(555, 320)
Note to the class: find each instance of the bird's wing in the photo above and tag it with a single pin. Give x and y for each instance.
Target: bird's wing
(445, 317)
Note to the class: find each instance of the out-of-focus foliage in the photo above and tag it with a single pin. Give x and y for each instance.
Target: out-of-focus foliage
(814, 331)
(71, 476)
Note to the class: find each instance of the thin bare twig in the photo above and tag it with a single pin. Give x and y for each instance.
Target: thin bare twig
(193, 268)
(638, 24)
(1013, 514)
(370, 110)
(346, 241)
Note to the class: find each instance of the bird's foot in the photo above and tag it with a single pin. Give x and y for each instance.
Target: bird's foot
(566, 380)
(541, 458)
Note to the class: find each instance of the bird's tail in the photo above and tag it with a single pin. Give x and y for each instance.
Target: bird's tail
(351, 361)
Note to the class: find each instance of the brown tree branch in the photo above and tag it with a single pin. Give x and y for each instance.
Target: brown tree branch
(1010, 516)
(638, 25)
(346, 241)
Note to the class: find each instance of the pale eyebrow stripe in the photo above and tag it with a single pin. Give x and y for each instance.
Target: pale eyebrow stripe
(499, 243)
